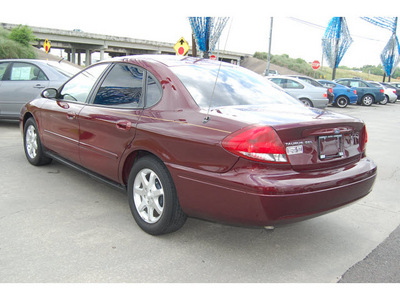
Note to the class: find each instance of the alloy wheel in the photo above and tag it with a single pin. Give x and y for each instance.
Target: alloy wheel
(31, 143)
(148, 194)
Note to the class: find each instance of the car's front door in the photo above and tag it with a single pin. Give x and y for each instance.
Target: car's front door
(60, 116)
(108, 123)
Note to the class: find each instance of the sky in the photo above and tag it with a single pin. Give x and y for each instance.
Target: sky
(298, 26)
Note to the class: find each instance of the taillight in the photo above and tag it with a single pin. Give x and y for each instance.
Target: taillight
(259, 143)
(325, 95)
(394, 92)
(330, 90)
(363, 139)
(355, 92)
(382, 91)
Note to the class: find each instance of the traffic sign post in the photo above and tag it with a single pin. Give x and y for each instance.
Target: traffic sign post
(181, 47)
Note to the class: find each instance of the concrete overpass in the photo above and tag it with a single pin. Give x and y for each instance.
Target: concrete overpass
(76, 42)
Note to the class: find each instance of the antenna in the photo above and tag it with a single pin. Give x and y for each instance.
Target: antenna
(207, 117)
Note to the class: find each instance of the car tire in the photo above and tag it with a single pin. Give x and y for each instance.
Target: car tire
(367, 100)
(384, 101)
(307, 102)
(342, 101)
(153, 198)
(32, 145)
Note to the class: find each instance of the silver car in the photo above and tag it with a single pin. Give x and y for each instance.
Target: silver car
(22, 80)
(302, 90)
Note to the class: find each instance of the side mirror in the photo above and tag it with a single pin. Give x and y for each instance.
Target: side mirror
(50, 93)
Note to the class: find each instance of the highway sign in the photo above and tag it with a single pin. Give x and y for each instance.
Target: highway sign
(181, 47)
(47, 46)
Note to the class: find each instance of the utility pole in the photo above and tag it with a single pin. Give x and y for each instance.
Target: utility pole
(337, 47)
(194, 46)
(269, 48)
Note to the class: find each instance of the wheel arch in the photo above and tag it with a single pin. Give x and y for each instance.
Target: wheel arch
(369, 94)
(342, 95)
(130, 161)
(308, 100)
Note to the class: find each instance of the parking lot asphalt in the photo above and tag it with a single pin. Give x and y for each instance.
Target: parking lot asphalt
(58, 225)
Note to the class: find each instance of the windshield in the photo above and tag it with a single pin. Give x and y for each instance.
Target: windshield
(64, 68)
(235, 86)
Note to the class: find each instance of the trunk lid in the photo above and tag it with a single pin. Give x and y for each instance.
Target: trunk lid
(313, 138)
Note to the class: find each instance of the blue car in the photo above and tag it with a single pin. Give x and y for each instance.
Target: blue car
(367, 93)
(343, 94)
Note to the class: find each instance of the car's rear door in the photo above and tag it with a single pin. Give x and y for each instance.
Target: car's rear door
(20, 84)
(108, 124)
(60, 117)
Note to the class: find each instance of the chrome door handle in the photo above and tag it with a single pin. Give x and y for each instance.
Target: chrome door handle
(71, 116)
(124, 125)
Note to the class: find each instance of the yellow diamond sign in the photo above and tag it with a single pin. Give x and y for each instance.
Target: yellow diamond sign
(46, 46)
(181, 47)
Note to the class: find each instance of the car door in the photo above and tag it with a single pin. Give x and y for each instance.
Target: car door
(21, 83)
(60, 117)
(108, 124)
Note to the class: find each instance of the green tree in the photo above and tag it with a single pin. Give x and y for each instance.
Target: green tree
(22, 34)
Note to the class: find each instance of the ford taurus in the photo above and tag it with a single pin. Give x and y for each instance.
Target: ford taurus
(190, 137)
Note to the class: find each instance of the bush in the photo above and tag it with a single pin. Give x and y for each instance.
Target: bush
(10, 48)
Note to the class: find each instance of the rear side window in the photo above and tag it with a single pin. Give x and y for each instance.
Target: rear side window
(153, 91)
(122, 87)
(291, 84)
(25, 71)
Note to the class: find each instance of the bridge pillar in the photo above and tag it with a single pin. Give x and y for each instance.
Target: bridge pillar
(88, 60)
(73, 55)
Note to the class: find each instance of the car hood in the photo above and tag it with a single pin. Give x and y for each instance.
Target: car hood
(279, 114)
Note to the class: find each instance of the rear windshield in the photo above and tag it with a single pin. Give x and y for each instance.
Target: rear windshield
(234, 86)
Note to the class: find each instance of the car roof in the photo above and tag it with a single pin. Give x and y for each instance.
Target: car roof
(172, 60)
(31, 60)
(291, 78)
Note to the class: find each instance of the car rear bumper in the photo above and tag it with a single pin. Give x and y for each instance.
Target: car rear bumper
(320, 103)
(262, 197)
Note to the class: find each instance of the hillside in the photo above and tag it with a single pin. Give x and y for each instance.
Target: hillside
(259, 66)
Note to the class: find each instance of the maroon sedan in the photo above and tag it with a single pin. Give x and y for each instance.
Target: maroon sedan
(199, 138)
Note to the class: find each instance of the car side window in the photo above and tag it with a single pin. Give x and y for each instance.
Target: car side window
(79, 87)
(26, 71)
(294, 85)
(122, 87)
(153, 91)
(3, 68)
(355, 84)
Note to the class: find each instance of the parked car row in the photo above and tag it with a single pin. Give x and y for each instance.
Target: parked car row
(340, 92)
(310, 92)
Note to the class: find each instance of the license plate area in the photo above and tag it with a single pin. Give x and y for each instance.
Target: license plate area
(330, 146)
